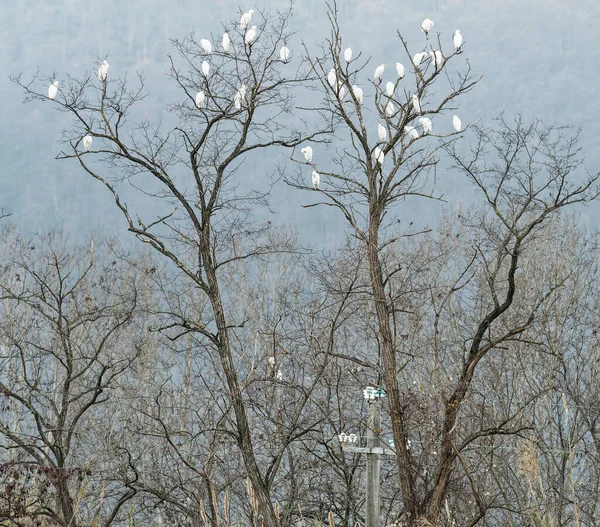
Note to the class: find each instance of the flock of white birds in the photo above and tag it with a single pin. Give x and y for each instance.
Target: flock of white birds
(437, 60)
(250, 36)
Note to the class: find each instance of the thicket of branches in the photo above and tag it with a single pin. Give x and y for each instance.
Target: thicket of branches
(202, 379)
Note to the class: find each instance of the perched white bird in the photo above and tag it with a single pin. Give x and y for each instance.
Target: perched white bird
(206, 45)
(418, 58)
(332, 78)
(378, 155)
(271, 361)
(411, 131)
(87, 143)
(200, 99)
(52, 90)
(103, 71)
(416, 103)
(379, 71)
(279, 375)
(308, 153)
(226, 42)
(425, 122)
(426, 25)
(250, 36)
(437, 59)
(284, 54)
(245, 20)
(316, 179)
(456, 123)
(341, 92)
(400, 69)
(457, 38)
(205, 68)
(358, 93)
(381, 132)
(239, 97)
(389, 89)
(390, 109)
(348, 54)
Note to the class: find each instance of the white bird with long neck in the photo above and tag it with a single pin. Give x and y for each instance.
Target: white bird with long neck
(206, 45)
(390, 109)
(103, 71)
(316, 180)
(411, 131)
(458, 40)
(332, 78)
(381, 132)
(87, 143)
(456, 122)
(205, 68)
(426, 26)
(348, 54)
(250, 35)
(400, 69)
(378, 155)
(389, 89)
(239, 97)
(226, 42)
(200, 99)
(308, 153)
(358, 93)
(436, 58)
(284, 54)
(416, 103)
(53, 90)
(425, 122)
(379, 71)
(341, 91)
(245, 19)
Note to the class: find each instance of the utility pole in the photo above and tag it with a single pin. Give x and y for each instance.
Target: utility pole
(373, 450)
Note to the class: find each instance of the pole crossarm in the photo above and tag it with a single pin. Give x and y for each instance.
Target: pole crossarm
(367, 450)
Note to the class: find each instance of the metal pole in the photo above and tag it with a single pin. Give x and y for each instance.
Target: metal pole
(373, 464)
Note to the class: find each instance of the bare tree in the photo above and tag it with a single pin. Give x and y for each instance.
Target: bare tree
(67, 337)
(233, 103)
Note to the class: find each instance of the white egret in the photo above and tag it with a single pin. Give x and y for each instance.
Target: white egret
(381, 132)
(251, 35)
(308, 153)
(284, 54)
(103, 71)
(458, 40)
(279, 375)
(348, 54)
(400, 69)
(416, 103)
(456, 123)
(390, 109)
(378, 155)
(411, 131)
(205, 68)
(436, 57)
(341, 92)
(200, 99)
(272, 361)
(425, 122)
(226, 42)
(332, 78)
(53, 90)
(418, 58)
(358, 93)
(389, 89)
(206, 45)
(426, 26)
(316, 179)
(239, 97)
(245, 20)
(87, 143)
(379, 71)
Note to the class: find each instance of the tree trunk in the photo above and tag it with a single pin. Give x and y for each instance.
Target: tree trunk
(382, 310)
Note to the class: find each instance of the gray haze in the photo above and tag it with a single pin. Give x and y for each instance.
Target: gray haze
(537, 57)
